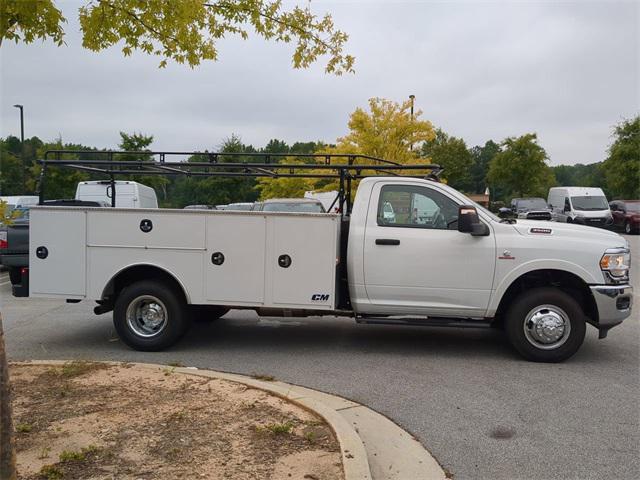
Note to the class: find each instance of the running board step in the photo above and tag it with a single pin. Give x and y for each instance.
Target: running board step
(426, 321)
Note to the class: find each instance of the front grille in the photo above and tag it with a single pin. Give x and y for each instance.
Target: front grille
(539, 216)
(595, 221)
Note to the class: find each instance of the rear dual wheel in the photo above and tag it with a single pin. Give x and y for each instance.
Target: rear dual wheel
(150, 315)
(545, 325)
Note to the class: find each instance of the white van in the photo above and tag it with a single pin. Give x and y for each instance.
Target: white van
(128, 194)
(20, 201)
(584, 205)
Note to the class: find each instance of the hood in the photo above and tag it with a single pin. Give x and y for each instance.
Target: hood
(537, 228)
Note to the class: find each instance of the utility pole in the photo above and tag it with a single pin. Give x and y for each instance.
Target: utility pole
(412, 98)
(22, 145)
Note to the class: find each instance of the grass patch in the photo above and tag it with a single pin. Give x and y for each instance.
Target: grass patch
(263, 376)
(51, 472)
(23, 427)
(310, 437)
(168, 371)
(176, 364)
(81, 456)
(75, 368)
(276, 428)
(44, 453)
(71, 456)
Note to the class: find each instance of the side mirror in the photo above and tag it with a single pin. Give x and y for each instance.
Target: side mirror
(469, 221)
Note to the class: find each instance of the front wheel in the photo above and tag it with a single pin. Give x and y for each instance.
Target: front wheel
(628, 228)
(545, 325)
(150, 316)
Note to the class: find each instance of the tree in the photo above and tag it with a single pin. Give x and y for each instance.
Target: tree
(622, 167)
(452, 155)
(387, 131)
(579, 174)
(520, 168)
(285, 187)
(482, 156)
(138, 142)
(10, 172)
(276, 146)
(184, 31)
(216, 190)
(16, 164)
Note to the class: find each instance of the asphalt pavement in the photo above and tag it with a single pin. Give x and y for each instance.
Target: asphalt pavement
(481, 410)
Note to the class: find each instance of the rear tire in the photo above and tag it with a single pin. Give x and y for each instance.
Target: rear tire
(150, 316)
(545, 325)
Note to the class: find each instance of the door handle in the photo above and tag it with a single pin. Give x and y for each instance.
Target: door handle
(387, 241)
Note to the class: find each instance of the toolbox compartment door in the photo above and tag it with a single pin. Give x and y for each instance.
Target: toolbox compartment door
(234, 259)
(57, 252)
(311, 244)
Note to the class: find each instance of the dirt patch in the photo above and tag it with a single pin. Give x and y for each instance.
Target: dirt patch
(91, 421)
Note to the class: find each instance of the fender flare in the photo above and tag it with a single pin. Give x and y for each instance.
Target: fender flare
(532, 266)
(109, 285)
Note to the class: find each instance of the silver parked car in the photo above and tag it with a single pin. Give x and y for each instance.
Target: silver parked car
(306, 205)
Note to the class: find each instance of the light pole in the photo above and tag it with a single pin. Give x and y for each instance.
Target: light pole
(412, 98)
(22, 142)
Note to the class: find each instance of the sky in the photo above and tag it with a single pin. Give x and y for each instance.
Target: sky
(568, 71)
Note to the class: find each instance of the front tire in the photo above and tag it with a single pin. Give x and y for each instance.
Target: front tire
(545, 325)
(629, 230)
(150, 316)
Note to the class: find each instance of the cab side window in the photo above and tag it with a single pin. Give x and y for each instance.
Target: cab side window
(416, 207)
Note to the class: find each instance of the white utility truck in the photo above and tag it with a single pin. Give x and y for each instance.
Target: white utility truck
(438, 260)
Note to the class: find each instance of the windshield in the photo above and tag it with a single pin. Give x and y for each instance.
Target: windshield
(589, 203)
(293, 207)
(531, 204)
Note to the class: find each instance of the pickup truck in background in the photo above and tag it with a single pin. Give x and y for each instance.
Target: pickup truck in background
(460, 265)
(531, 208)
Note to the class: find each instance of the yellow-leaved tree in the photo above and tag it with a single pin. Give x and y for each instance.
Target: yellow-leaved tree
(387, 130)
(184, 31)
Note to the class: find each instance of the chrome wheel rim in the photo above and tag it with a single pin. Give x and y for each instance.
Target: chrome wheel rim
(627, 228)
(547, 327)
(147, 316)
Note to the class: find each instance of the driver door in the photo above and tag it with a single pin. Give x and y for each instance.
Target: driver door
(416, 262)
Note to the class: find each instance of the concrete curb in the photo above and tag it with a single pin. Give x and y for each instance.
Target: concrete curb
(372, 446)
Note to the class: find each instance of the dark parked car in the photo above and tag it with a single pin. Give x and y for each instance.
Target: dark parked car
(626, 215)
(531, 208)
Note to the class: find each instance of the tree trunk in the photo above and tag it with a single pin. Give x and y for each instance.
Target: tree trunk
(7, 453)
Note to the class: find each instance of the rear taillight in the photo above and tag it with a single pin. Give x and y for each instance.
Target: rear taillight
(3, 240)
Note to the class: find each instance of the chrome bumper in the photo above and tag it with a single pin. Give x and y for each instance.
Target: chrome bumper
(614, 303)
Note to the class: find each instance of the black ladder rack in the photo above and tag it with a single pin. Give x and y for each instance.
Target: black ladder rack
(219, 164)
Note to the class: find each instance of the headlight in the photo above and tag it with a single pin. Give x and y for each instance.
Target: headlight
(615, 262)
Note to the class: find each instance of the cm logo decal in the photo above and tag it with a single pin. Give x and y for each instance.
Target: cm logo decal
(320, 297)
